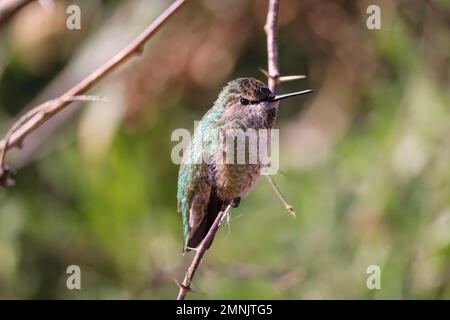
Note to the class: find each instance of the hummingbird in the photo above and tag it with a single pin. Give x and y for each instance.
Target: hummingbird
(207, 187)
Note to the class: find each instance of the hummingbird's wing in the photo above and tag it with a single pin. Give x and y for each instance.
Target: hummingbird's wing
(204, 213)
(194, 194)
(197, 201)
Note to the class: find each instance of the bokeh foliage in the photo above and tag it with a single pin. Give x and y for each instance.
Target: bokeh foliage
(365, 160)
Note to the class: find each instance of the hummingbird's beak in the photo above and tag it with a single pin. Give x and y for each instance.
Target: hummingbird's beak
(288, 95)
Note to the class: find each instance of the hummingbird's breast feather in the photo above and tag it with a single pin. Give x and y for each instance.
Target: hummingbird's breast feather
(236, 178)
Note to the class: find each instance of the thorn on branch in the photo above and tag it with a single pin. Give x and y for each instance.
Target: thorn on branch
(281, 79)
(19, 144)
(139, 51)
(186, 288)
(290, 78)
(5, 177)
(275, 77)
(264, 72)
(178, 283)
(186, 285)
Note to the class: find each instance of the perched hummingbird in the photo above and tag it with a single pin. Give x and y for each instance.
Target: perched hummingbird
(206, 187)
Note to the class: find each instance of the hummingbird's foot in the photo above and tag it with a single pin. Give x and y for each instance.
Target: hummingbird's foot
(236, 202)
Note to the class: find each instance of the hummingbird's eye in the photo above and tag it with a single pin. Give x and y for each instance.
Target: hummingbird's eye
(244, 102)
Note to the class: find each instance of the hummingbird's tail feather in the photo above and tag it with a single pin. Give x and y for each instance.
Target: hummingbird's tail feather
(215, 204)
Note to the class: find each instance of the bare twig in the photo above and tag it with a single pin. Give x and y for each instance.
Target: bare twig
(273, 69)
(185, 286)
(280, 195)
(36, 113)
(273, 74)
(35, 117)
(10, 7)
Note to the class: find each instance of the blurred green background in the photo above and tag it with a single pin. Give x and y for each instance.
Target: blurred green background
(365, 160)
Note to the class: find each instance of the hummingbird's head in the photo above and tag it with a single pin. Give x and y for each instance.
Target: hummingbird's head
(250, 93)
(245, 92)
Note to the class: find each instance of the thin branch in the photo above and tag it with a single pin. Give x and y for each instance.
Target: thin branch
(35, 118)
(8, 8)
(280, 195)
(40, 112)
(273, 74)
(273, 69)
(185, 286)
